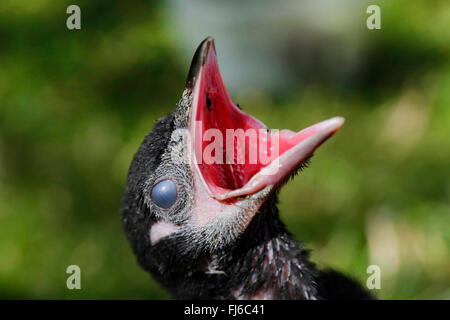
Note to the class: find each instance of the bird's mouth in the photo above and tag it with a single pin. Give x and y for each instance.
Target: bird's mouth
(234, 153)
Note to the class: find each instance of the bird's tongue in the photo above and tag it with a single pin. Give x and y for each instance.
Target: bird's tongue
(236, 154)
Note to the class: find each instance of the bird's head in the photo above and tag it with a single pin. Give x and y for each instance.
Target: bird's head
(204, 172)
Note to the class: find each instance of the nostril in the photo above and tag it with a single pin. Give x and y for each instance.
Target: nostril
(164, 193)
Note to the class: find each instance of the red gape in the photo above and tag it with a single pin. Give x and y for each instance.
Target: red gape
(236, 165)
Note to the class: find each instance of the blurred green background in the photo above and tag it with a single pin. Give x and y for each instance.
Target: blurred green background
(75, 105)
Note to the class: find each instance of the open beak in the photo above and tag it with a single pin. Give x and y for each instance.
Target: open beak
(234, 154)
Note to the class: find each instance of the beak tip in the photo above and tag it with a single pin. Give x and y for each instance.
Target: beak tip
(199, 60)
(339, 120)
(209, 43)
(336, 123)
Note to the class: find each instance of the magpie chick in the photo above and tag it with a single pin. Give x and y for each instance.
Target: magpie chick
(201, 214)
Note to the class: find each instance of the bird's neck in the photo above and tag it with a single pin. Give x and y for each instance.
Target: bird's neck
(268, 264)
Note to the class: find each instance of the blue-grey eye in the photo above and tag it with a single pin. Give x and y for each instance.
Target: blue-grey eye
(164, 194)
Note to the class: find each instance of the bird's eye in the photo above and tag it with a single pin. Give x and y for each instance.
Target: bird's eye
(164, 194)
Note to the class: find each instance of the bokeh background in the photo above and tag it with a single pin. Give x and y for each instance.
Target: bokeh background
(75, 105)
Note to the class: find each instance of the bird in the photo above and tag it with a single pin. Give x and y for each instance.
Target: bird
(202, 218)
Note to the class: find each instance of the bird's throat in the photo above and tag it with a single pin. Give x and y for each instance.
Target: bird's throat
(269, 264)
